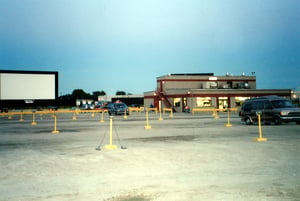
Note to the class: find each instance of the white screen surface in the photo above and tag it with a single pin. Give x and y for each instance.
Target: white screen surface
(18, 86)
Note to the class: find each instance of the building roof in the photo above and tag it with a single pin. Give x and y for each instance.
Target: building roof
(191, 74)
(205, 77)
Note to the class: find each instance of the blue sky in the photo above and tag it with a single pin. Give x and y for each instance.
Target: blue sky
(123, 45)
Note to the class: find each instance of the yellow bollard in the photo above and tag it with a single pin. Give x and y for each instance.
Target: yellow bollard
(125, 114)
(55, 131)
(102, 117)
(171, 113)
(74, 116)
(21, 117)
(216, 116)
(33, 119)
(147, 126)
(260, 138)
(160, 116)
(9, 117)
(228, 119)
(110, 146)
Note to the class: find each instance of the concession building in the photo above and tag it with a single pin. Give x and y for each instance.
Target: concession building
(196, 90)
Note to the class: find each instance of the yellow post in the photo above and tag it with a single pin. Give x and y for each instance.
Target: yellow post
(110, 146)
(228, 119)
(9, 117)
(33, 119)
(102, 117)
(147, 121)
(21, 117)
(171, 113)
(213, 113)
(125, 114)
(260, 138)
(93, 114)
(160, 115)
(216, 114)
(74, 116)
(55, 131)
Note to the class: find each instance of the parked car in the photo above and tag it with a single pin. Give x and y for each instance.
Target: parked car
(5, 109)
(117, 109)
(52, 108)
(101, 105)
(273, 109)
(87, 107)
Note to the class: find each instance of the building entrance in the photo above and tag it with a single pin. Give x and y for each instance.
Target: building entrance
(223, 102)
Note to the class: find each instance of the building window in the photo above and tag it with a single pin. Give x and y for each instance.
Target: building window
(203, 102)
(223, 102)
(177, 102)
(240, 100)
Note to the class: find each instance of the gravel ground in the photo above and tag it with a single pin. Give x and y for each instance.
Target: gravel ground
(181, 158)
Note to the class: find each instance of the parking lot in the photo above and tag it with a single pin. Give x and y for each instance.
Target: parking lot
(186, 157)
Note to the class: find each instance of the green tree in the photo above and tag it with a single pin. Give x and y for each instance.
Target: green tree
(80, 94)
(96, 94)
(99, 93)
(119, 93)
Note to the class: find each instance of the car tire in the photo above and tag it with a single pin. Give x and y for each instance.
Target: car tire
(267, 123)
(248, 121)
(277, 120)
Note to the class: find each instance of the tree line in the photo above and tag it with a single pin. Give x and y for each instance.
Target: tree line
(61, 101)
(81, 94)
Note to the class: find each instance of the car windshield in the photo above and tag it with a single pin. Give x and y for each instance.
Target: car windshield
(281, 104)
(120, 105)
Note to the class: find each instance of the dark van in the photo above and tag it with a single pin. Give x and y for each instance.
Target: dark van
(273, 109)
(117, 109)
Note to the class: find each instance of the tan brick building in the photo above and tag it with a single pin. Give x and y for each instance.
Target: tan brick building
(206, 90)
